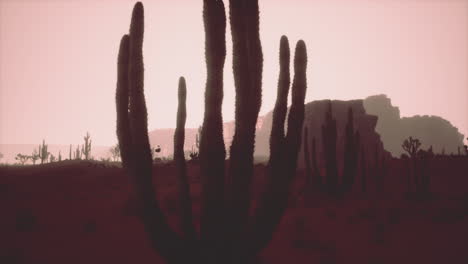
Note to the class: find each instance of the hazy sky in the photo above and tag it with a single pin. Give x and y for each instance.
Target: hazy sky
(58, 60)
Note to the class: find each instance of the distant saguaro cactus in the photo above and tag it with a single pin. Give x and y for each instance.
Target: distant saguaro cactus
(43, 153)
(329, 149)
(78, 153)
(70, 153)
(227, 235)
(312, 172)
(184, 188)
(35, 156)
(315, 168)
(363, 171)
(308, 166)
(351, 153)
(86, 148)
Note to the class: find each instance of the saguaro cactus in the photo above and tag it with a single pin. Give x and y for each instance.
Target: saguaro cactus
(363, 171)
(86, 148)
(308, 166)
(179, 159)
(282, 163)
(227, 234)
(247, 67)
(212, 152)
(43, 152)
(78, 153)
(315, 167)
(329, 149)
(351, 153)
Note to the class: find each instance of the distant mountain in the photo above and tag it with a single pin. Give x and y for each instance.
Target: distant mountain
(314, 119)
(430, 130)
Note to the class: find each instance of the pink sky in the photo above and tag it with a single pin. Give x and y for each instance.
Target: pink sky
(58, 60)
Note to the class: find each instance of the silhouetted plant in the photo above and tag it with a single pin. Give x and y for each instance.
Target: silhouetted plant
(51, 158)
(194, 155)
(329, 149)
(43, 153)
(308, 166)
(363, 171)
(411, 146)
(227, 235)
(212, 151)
(312, 171)
(424, 158)
(188, 228)
(70, 153)
(35, 156)
(115, 152)
(379, 170)
(247, 66)
(78, 153)
(22, 159)
(351, 153)
(86, 147)
(60, 156)
(383, 173)
(315, 168)
(198, 137)
(225, 227)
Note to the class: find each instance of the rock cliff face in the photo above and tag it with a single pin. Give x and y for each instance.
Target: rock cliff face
(314, 119)
(378, 121)
(430, 130)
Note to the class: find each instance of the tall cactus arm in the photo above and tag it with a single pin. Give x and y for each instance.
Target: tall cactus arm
(281, 105)
(247, 68)
(307, 163)
(188, 228)
(212, 150)
(134, 143)
(275, 199)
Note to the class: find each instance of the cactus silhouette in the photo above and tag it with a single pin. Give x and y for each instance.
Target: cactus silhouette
(247, 66)
(363, 171)
(312, 172)
(35, 156)
(351, 153)
(315, 169)
(212, 152)
(179, 159)
(227, 234)
(308, 165)
(86, 148)
(329, 149)
(282, 163)
(78, 153)
(43, 153)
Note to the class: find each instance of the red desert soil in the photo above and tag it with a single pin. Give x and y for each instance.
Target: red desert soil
(83, 212)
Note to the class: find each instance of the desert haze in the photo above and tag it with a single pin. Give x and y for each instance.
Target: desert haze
(233, 131)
